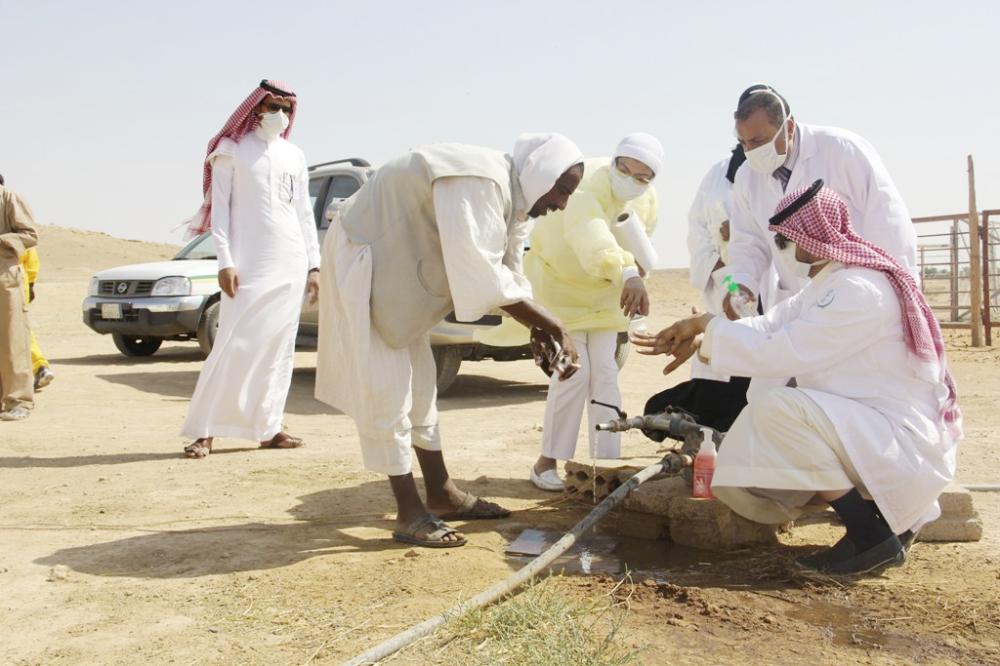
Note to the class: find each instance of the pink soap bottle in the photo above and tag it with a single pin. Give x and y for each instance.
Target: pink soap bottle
(704, 466)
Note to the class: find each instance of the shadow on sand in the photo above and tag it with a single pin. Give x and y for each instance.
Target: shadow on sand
(468, 392)
(327, 522)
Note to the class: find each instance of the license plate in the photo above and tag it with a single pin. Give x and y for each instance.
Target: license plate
(111, 310)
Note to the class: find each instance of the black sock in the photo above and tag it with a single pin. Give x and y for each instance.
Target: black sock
(865, 526)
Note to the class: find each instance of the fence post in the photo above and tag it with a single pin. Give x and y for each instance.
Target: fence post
(953, 279)
(975, 263)
(987, 296)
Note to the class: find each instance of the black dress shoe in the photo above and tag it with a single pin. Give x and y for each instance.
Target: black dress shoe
(846, 560)
(907, 538)
(818, 561)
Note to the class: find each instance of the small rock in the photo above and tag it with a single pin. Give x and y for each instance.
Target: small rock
(770, 619)
(679, 623)
(213, 630)
(58, 572)
(411, 553)
(538, 427)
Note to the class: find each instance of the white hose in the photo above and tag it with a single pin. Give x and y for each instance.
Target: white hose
(512, 582)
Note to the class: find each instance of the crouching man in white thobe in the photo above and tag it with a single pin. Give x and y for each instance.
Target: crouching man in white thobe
(439, 229)
(872, 426)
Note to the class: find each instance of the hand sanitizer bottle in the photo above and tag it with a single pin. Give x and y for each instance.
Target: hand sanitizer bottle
(742, 304)
(704, 466)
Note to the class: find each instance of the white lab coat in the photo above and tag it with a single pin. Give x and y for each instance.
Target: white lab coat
(842, 338)
(849, 165)
(714, 199)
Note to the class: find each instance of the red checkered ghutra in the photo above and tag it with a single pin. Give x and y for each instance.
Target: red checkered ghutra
(242, 122)
(822, 227)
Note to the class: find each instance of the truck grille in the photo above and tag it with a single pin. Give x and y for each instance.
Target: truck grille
(125, 288)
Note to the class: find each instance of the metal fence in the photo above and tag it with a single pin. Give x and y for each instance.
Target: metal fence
(944, 258)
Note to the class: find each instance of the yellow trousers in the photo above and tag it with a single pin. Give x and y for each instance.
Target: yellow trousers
(38, 359)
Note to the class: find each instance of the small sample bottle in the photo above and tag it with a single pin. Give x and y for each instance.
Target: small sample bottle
(704, 466)
(742, 304)
(637, 324)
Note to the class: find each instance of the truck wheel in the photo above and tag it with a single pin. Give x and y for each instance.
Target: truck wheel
(208, 327)
(134, 345)
(621, 350)
(447, 360)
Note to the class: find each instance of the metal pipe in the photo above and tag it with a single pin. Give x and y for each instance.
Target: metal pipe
(515, 580)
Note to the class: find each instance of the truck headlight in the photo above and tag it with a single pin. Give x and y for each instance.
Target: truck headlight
(172, 286)
(94, 286)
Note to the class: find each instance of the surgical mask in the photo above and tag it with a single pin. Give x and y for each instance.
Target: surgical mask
(765, 159)
(626, 188)
(802, 268)
(273, 123)
(799, 269)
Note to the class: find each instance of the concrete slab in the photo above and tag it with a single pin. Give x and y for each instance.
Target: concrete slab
(946, 528)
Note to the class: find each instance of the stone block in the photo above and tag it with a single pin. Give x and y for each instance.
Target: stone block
(654, 497)
(956, 502)
(948, 528)
(711, 525)
(636, 525)
(595, 482)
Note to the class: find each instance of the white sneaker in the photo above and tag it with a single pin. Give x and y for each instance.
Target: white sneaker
(548, 480)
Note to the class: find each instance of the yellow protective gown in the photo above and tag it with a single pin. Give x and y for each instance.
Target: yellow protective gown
(31, 265)
(575, 264)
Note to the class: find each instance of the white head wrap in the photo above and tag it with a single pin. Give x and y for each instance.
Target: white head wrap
(539, 160)
(643, 147)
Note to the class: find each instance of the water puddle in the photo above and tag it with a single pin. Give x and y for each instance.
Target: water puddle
(844, 626)
(603, 554)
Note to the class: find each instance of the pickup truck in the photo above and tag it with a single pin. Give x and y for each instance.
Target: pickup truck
(142, 305)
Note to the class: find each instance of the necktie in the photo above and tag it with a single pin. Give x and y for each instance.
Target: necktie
(783, 174)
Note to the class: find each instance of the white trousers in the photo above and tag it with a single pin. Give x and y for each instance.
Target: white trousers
(404, 413)
(390, 393)
(597, 379)
(781, 450)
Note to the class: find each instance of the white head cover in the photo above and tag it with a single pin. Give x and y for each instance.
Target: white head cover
(539, 160)
(643, 147)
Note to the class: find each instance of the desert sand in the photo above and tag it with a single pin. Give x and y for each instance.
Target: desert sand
(115, 550)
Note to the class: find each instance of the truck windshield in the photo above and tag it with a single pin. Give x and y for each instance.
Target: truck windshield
(202, 247)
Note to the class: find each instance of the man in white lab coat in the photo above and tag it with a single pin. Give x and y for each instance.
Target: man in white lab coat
(441, 228)
(783, 155)
(715, 399)
(873, 424)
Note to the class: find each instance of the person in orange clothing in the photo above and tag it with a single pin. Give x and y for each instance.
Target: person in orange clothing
(39, 364)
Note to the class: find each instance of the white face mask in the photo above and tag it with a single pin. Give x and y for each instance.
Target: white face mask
(766, 159)
(626, 188)
(273, 124)
(799, 269)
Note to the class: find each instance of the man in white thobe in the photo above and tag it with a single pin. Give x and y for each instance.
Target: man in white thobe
(261, 218)
(439, 229)
(872, 426)
(783, 155)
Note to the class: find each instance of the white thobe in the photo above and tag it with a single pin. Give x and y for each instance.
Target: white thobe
(391, 393)
(842, 338)
(847, 164)
(263, 226)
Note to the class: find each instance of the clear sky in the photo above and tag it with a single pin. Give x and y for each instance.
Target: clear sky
(107, 106)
